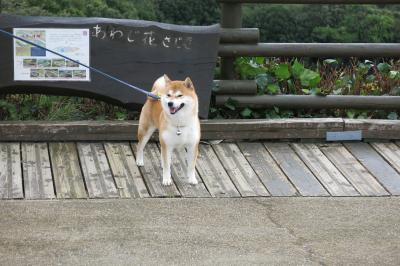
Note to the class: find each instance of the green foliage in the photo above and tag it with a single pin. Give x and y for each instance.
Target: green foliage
(271, 75)
(78, 8)
(281, 71)
(324, 23)
(250, 67)
(9, 110)
(44, 107)
(246, 113)
(297, 69)
(384, 68)
(192, 12)
(309, 78)
(231, 104)
(331, 76)
(332, 62)
(277, 23)
(357, 114)
(393, 116)
(273, 88)
(262, 81)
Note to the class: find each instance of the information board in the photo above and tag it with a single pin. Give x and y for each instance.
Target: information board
(32, 63)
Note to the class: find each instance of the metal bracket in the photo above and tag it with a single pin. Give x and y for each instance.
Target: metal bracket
(344, 135)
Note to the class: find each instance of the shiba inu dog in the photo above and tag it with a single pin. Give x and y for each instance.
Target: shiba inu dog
(175, 116)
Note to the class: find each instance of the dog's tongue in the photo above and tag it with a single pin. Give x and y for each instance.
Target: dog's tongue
(172, 110)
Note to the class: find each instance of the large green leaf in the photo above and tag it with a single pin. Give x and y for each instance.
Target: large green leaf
(273, 88)
(394, 74)
(282, 71)
(246, 113)
(297, 69)
(383, 67)
(310, 78)
(259, 60)
(393, 116)
(231, 104)
(363, 68)
(330, 62)
(314, 91)
(262, 81)
(248, 68)
(350, 113)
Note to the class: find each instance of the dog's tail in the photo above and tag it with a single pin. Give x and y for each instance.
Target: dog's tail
(158, 87)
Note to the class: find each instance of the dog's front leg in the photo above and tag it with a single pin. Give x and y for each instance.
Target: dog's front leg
(191, 156)
(166, 153)
(144, 135)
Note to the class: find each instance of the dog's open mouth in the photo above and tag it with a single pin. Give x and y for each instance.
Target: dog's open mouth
(173, 110)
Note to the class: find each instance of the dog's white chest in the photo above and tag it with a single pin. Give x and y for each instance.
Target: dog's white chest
(181, 135)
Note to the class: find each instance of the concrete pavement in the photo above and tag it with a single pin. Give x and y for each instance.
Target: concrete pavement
(271, 231)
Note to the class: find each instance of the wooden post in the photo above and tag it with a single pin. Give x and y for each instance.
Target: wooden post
(313, 102)
(231, 18)
(311, 49)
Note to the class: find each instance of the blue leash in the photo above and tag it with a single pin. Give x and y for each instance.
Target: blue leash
(149, 94)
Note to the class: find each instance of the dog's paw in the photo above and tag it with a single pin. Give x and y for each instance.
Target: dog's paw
(193, 180)
(167, 181)
(139, 162)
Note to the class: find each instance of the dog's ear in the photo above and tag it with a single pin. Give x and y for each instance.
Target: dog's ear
(188, 83)
(166, 79)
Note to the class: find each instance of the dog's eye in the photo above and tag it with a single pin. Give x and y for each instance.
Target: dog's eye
(168, 95)
(179, 96)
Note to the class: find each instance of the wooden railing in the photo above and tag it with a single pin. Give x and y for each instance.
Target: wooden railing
(238, 41)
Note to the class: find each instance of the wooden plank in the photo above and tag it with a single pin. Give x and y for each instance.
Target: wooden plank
(67, 130)
(178, 171)
(316, 50)
(152, 172)
(303, 128)
(324, 170)
(296, 170)
(266, 168)
(390, 151)
(96, 171)
(260, 129)
(246, 87)
(239, 35)
(213, 174)
(239, 170)
(130, 183)
(38, 182)
(68, 177)
(376, 165)
(358, 176)
(210, 129)
(10, 171)
(375, 128)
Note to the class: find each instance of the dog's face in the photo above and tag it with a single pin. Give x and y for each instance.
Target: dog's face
(179, 97)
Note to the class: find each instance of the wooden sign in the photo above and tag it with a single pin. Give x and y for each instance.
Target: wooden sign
(137, 52)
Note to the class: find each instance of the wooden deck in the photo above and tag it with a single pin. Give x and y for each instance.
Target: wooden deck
(67, 170)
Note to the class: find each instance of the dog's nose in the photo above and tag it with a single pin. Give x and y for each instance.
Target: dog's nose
(170, 104)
